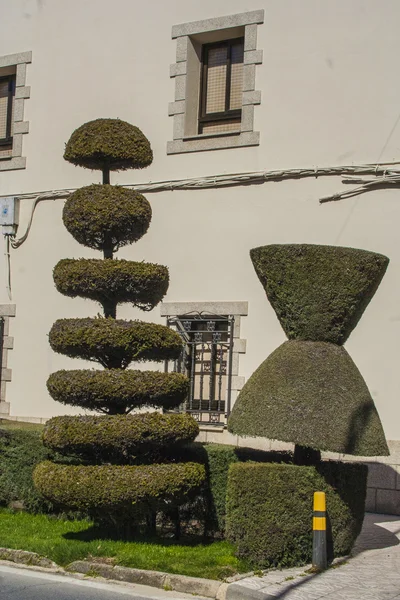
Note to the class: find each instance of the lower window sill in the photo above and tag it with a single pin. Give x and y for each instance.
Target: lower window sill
(214, 141)
(12, 163)
(203, 136)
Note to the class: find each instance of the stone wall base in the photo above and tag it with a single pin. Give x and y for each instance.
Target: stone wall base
(383, 492)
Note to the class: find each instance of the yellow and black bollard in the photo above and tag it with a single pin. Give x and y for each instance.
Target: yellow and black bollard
(319, 556)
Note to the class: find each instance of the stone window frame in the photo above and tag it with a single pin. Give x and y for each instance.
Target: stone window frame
(9, 64)
(6, 312)
(186, 72)
(235, 309)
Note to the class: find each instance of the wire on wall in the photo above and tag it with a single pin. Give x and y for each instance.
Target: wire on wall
(384, 176)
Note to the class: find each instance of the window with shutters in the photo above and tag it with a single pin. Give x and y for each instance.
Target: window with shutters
(221, 86)
(215, 74)
(7, 94)
(13, 93)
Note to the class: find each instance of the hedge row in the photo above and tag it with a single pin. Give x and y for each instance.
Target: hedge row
(217, 459)
(119, 438)
(297, 396)
(115, 391)
(20, 451)
(114, 343)
(269, 510)
(112, 486)
(108, 143)
(106, 216)
(112, 281)
(318, 292)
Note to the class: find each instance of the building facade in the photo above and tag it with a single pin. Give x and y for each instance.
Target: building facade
(219, 89)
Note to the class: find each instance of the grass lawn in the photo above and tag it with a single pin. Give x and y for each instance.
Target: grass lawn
(65, 541)
(8, 424)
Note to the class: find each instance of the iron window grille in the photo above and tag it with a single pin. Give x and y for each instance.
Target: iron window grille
(7, 93)
(221, 86)
(206, 359)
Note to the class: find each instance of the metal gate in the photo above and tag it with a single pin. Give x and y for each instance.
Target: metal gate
(206, 359)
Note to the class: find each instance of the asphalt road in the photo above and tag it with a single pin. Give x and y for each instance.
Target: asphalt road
(22, 584)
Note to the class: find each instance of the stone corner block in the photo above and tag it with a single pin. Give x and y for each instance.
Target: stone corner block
(4, 408)
(381, 476)
(7, 310)
(6, 374)
(253, 57)
(388, 502)
(177, 69)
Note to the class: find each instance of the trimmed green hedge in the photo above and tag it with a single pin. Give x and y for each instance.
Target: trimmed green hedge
(269, 510)
(112, 281)
(311, 394)
(114, 343)
(113, 486)
(119, 438)
(106, 216)
(108, 143)
(318, 292)
(217, 459)
(118, 391)
(20, 451)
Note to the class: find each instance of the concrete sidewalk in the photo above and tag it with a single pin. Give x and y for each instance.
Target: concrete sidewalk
(372, 573)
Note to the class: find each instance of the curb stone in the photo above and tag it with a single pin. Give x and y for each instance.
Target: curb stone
(177, 583)
(26, 558)
(231, 589)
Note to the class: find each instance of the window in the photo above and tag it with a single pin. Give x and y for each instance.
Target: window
(13, 93)
(7, 93)
(221, 86)
(206, 360)
(214, 76)
(210, 356)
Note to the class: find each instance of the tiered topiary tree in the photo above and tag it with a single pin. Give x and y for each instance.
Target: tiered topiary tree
(308, 392)
(125, 468)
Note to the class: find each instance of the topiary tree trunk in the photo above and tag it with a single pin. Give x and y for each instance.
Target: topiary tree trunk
(125, 468)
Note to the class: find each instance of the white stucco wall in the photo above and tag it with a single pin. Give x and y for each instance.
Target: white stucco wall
(330, 96)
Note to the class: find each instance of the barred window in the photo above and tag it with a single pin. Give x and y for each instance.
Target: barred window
(207, 361)
(7, 93)
(221, 86)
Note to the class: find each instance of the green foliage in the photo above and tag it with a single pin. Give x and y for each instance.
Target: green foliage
(112, 281)
(114, 343)
(311, 394)
(20, 452)
(210, 506)
(106, 216)
(119, 438)
(269, 510)
(318, 292)
(115, 391)
(108, 144)
(115, 487)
